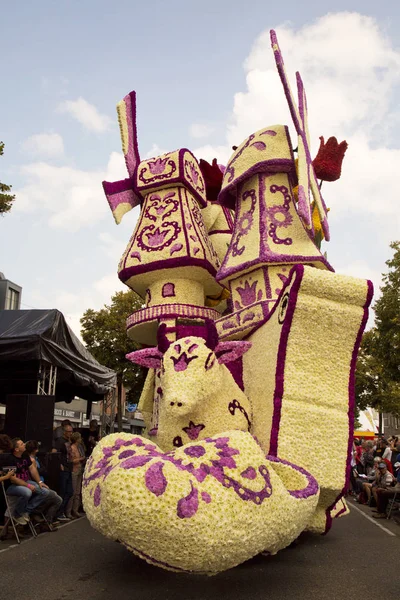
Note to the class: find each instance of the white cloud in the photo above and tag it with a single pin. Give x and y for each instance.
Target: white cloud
(108, 285)
(360, 268)
(72, 198)
(351, 72)
(86, 114)
(347, 64)
(360, 188)
(94, 296)
(43, 145)
(73, 305)
(74, 323)
(116, 168)
(66, 302)
(201, 130)
(155, 151)
(111, 246)
(349, 85)
(208, 152)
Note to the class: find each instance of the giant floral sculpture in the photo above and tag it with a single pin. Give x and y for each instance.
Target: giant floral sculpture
(251, 341)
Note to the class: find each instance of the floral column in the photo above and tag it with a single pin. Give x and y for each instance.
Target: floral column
(169, 260)
(268, 236)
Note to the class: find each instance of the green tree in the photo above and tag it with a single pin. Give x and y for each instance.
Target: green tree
(104, 333)
(6, 199)
(369, 375)
(378, 365)
(387, 318)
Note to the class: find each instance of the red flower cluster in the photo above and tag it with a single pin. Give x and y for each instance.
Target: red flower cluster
(328, 162)
(213, 178)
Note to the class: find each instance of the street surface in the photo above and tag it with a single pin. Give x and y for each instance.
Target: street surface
(357, 559)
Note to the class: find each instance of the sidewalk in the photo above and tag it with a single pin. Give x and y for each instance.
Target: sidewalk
(392, 524)
(25, 535)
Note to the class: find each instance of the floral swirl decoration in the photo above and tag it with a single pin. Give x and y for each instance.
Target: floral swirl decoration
(244, 223)
(279, 215)
(159, 237)
(194, 176)
(162, 207)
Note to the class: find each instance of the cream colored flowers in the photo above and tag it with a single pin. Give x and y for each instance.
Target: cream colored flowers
(203, 508)
(249, 413)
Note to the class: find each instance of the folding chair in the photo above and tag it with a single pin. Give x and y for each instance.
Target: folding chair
(11, 502)
(44, 520)
(392, 502)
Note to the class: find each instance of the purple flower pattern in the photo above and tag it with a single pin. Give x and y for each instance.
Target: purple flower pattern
(193, 431)
(259, 145)
(248, 293)
(188, 506)
(213, 458)
(158, 166)
(155, 479)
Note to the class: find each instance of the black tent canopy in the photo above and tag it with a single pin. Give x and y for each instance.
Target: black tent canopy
(33, 339)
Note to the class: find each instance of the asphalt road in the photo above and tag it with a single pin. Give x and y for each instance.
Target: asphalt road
(357, 559)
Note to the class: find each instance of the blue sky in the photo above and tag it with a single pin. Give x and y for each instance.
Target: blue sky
(205, 79)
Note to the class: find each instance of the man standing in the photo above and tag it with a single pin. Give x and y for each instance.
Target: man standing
(26, 483)
(360, 449)
(91, 436)
(59, 431)
(63, 445)
(380, 448)
(387, 452)
(367, 459)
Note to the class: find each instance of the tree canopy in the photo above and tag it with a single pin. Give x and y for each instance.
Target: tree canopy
(104, 333)
(6, 199)
(378, 365)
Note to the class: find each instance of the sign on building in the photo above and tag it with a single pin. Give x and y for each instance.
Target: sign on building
(63, 413)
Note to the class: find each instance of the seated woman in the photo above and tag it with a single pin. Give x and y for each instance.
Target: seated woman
(369, 486)
(369, 478)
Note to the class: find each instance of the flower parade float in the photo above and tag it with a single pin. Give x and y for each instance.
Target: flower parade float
(251, 342)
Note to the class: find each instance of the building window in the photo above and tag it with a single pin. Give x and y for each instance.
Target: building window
(12, 299)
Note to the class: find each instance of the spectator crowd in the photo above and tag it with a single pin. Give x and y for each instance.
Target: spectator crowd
(375, 475)
(25, 483)
(374, 479)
